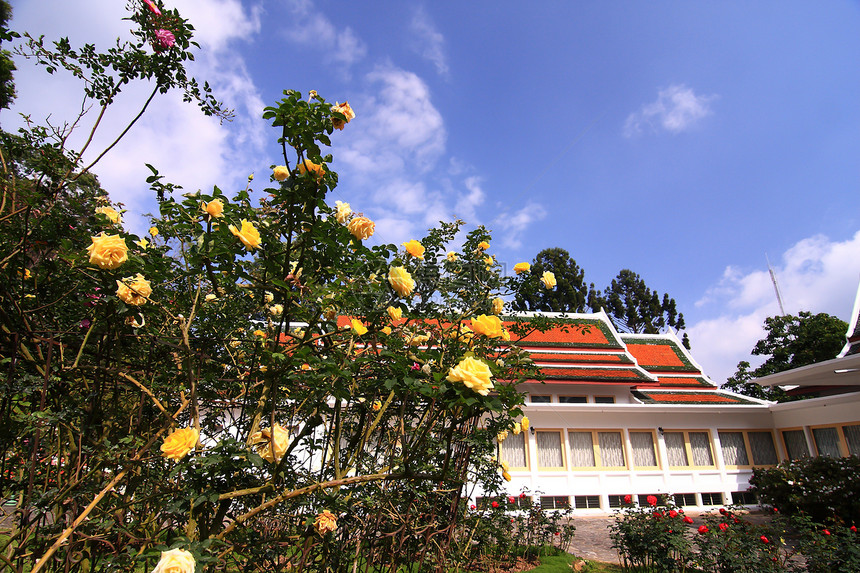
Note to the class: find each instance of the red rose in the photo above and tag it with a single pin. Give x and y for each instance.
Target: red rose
(853, 528)
(724, 526)
(722, 511)
(688, 519)
(523, 495)
(472, 506)
(512, 499)
(495, 504)
(658, 515)
(673, 513)
(826, 532)
(764, 539)
(703, 529)
(558, 533)
(628, 498)
(775, 510)
(652, 500)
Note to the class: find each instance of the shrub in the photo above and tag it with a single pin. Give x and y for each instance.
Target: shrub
(651, 538)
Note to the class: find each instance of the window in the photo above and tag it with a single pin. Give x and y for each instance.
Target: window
(616, 501)
(685, 499)
(549, 450)
(743, 498)
(643, 498)
(513, 451)
(604, 399)
(644, 452)
(714, 498)
(596, 449)
(795, 444)
(540, 399)
(587, 502)
(852, 439)
(573, 399)
(520, 502)
(554, 502)
(689, 449)
(748, 448)
(826, 442)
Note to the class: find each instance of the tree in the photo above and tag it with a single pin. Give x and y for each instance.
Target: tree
(633, 307)
(7, 66)
(570, 293)
(791, 342)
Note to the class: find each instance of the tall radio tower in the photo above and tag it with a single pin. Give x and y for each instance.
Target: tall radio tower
(775, 285)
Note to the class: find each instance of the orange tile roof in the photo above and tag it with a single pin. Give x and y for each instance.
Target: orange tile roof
(682, 381)
(578, 333)
(689, 398)
(616, 358)
(626, 375)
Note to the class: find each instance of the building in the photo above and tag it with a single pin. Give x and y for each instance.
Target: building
(634, 414)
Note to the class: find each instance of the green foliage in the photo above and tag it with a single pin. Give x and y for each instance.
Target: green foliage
(651, 538)
(827, 548)
(823, 488)
(733, 544)
(791, 342)
(634, 307)
(571, 294)
(7, 66)
(239, 325)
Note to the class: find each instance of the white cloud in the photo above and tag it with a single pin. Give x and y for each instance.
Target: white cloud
(510, 226)
(187, 147)
(676, 109)
(467, 202)
(312, 28)
(428, 42)
(815, 275)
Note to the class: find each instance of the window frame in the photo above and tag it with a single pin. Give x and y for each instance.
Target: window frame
(785, 445)
(605, 396)
(561, 436)
(688, 449)
(840, 436)
(654, 442)
(748, 447)
(548, 396)
(525, 439)
(595, 449)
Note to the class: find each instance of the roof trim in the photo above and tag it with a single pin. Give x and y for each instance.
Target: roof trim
(843, 371)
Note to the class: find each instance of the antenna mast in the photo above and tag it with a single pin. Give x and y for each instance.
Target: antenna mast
(775, 285)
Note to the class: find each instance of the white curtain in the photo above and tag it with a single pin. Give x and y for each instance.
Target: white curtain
(852, 434)
(643, 449)
(827, 442)
(513, 450)
(581, 450)
(795, 443)
(549, 450)
(763, 450)
(611, 450)
(675, 449)
(734, 450)
(700, 444)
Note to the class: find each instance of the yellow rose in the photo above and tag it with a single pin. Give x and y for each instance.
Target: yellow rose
(401, 281)
(263, 441)
(348, 114)
(281, 172)
(276, 310)
(153, 231)
(361, 228)
(522, 268)
(489, 326)
(343, 211)
(418, 339)
(325, 522)
(175, 561)
(474, 373)
(483, 245)
(214, 208)
(210, 297)
(502, 436)
(386, 329)
(268, 296)
(451, 256)
(110, 213)
(312, 95)
(377, 405)
(516, 430)
(548, 280)
(524, 423)
(143, 243)
(133, 290)
(259, 333)
(414, 248)
(358, 328)
(249, 235)
(309, 166)
(489, 261)
(507, 476)
(394, 313)
(179, 443)
(108, 251)
(498, 305)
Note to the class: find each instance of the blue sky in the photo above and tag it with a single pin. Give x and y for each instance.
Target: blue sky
(681, 140)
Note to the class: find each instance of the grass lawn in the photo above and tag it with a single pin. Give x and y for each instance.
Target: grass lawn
(561, 564)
